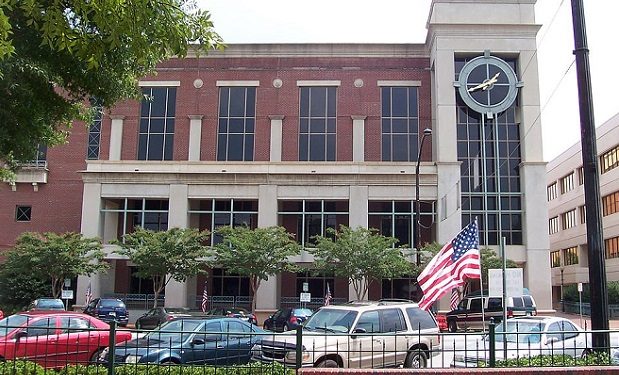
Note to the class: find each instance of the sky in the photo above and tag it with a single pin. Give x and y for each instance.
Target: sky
(404, 21)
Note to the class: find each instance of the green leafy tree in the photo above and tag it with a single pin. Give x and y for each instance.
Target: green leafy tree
(255, 253)
(54, 257)
(165, 255)
(19, 287)
(491, 260)
(55, 55)
(361, 255)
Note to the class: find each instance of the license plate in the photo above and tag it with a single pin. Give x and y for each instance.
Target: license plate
(112, 314)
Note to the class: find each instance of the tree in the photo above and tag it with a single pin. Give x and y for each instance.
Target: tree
(491, 260)
(361, 255)
(165, 255)
(55, 55)
(19, 288)
(54, 257)
(255, 253)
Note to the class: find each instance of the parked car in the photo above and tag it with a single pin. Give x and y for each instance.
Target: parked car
(287, 318)
(359, 334)
(234, 312)
(192, 340)
(46, 303)
(55, 338)
(528, 337)
(155, 316)
(108, 310)
(475, 311)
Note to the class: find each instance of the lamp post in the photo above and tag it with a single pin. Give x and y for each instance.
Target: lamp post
(562, 302)
(426, 132)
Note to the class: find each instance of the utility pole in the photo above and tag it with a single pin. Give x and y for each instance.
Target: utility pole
(595, 238)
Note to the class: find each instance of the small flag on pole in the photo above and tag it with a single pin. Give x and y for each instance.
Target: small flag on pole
(455, 298)
(88, 293)
(204, 305)
(457, 261)
(328, 296)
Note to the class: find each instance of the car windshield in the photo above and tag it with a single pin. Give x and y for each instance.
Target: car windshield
(520, 332)
(302, 312)
(111, 303)
(175, 330)
(332, 320)
(8, 324)
(51, 304)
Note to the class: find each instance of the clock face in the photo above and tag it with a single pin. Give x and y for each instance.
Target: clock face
(488, 84)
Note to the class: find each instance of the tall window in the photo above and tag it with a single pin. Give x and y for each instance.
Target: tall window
(610, 203)
(392, 218)
(156, 137)
(555, 259)
(553, 225)
(317, 123)
(611, 247)
(581, 176)
(211, 214)
(567, 183)
(94, 134)
(610, 159)
(227, 283)
(400, 123)
(551, 191)
(237, 119)
(484, 195)
(124, 214)
(583, 214)
(316, 282)
(308, 218)
(568, 219)
(570, 255)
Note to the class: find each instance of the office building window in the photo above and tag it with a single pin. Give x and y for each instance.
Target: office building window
(581, 176)
(610, 204)
(567, 183)
(316, 283)
(568, 219)
(23, 213)
(555, 259)
(553, 225)
(611, 247)
(317, 123)
(226, 283)
(493, 196)
(570, 256)
(551, 191)
(395, 219)
(94, 134)
(156, 136)
(237, 120)
(124, 214)
(400, 123)
(308, 218)
(610, 159)
(583, 214)
(211, 214)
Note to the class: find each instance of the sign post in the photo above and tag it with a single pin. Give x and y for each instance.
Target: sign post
(580, 302)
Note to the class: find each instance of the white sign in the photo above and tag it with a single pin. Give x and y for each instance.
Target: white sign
(305, 297)
(513, 281)
(305, 287)
(67, 294)
(580, 287)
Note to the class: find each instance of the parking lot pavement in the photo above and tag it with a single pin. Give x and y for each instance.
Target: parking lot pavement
(585, 321)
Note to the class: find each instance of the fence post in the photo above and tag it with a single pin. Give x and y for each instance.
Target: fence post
(111, 355)
(299, 347)
(492, 343)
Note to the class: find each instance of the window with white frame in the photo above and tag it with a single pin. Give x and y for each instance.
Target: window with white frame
(211, 214)
(568, 219)
(553, 225)
(567, 183)
(400, 123)
(308, 218)
(570, 256)
(555, 259)
(317, 123)
(237, 122)
(156, 134)
(609, 160)
(551, 191)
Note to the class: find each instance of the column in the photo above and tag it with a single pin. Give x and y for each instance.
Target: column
(177, 293)
(91, 225)
(266, 295)
(195, 137)
(276, 137)
(116, 136)
(358, 138)
(357, 217)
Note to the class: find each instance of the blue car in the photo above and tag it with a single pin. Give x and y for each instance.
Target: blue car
(192, 340)
(108, 310)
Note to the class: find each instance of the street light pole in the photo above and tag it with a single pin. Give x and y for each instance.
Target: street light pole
(426, 132)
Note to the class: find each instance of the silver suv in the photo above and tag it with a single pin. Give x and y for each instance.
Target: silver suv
(358, 335)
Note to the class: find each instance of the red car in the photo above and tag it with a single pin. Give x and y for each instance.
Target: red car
(55, 338)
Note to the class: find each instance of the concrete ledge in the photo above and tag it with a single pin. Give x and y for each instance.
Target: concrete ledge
(606, 370)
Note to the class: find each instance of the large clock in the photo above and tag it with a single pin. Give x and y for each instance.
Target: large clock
(488, 84)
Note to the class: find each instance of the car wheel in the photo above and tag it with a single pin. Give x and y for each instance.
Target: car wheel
(416, 359)
(286, 328)
(586, 353)
(453, 326)
(95, 356)
(328, 363)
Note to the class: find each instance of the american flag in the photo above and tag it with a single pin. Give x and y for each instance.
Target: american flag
(328, 297)
(204, 305)
(88, 293)
(455, 298)
(457, 261)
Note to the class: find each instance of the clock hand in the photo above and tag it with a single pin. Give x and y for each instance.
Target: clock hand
(486, 84)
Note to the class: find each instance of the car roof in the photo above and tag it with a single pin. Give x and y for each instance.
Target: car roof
(35, 313)
(367, 305)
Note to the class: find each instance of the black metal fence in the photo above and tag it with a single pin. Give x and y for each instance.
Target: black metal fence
(55, 346)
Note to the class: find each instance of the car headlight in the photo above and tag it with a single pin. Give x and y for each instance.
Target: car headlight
(292, 356)
(133, 358)
(256, 349)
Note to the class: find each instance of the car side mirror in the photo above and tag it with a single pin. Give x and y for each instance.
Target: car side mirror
(551, 340)
(198, 341)
(21, 334)
(358, 330)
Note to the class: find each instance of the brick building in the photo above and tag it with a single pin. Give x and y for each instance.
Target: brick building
(310, 137)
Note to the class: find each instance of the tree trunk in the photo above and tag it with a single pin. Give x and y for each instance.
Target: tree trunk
(254, 283)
